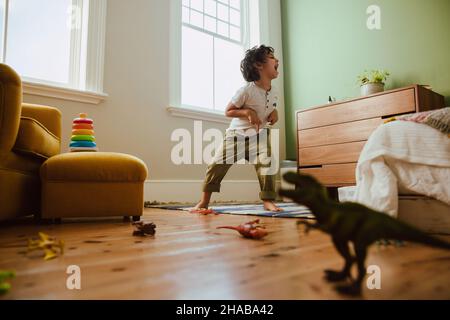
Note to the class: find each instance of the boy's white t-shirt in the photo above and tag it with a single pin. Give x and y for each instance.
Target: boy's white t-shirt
(252, 96)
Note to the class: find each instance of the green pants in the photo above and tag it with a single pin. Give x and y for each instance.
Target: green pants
(238, 149)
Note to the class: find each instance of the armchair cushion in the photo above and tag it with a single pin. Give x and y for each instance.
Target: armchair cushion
(36, 140)
(49, 117)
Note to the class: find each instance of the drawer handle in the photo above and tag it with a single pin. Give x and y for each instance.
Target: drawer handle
(310, 167)
(394, 115)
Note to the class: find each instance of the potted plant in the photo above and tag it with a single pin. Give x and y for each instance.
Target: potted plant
(372, 81)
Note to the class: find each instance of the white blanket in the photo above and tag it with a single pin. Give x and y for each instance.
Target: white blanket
(404, 157)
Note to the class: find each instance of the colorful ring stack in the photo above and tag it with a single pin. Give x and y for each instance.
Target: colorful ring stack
(83, 138)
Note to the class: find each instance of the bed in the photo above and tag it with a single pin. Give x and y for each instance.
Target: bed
(404, 170)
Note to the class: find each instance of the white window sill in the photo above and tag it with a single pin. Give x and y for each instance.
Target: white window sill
(45, 90)
(198, 114)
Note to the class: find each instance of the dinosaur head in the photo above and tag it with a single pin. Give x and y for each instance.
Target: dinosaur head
(308, 191)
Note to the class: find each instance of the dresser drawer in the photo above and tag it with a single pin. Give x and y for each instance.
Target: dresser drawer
(331, 154)
(338, 133)
(371, 107)
(334, 175)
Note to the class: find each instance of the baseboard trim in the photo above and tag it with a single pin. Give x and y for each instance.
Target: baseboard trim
(190, 190)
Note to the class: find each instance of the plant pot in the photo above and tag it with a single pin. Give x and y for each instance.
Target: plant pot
(371, 88)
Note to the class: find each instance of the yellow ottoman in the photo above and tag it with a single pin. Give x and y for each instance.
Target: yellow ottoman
(92, 184)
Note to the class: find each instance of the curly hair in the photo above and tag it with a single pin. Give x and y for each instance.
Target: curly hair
(254, 56)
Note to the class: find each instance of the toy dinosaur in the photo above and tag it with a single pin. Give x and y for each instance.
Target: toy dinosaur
(49, 244)
(350, 222)
(251, 229)
(5, 275)
(143, 229)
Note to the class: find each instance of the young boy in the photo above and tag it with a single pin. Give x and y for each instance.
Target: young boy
(252, 108)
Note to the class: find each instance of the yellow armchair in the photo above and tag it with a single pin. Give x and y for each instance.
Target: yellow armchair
(29, 135)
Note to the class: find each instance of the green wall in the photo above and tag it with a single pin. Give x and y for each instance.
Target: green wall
(326, 44)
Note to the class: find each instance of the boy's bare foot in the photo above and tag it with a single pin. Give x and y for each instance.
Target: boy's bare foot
(201, 205)
(204, 202)
(270, 206)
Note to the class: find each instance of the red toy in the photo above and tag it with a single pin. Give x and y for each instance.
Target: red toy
(251, 229)
(203, 211)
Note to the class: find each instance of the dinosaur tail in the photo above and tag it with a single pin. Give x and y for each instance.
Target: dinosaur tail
(403, 231)
(228, 227)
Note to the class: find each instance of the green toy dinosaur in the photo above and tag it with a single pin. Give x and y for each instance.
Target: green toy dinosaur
(5, 275)
(350, 222)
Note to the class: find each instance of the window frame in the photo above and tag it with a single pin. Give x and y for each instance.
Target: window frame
(89, 37)
(176, 108)
(244, 24)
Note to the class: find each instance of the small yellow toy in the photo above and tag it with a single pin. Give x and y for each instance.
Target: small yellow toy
(5, 275)
(49, 244)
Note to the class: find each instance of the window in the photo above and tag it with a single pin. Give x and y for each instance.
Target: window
(46, 41)
(214, 37)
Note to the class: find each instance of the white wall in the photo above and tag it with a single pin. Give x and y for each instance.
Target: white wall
(134, 118)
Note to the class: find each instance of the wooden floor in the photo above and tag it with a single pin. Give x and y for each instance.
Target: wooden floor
(189, 259)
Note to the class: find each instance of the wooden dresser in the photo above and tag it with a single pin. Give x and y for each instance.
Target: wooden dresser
(331, 137)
